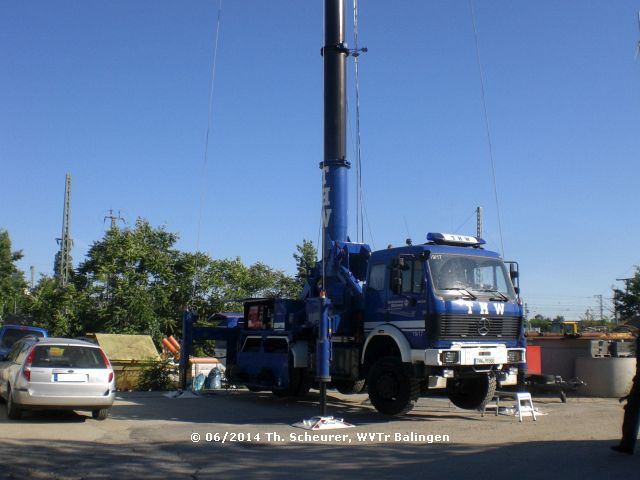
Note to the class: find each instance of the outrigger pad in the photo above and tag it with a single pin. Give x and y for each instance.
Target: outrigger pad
(322, 423)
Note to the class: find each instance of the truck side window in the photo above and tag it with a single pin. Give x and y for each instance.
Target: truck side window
(412, 277)
(406, 277)
(418, 277)
(376, 277)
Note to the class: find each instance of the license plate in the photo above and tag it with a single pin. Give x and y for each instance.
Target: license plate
(70, 377)
(485, 361)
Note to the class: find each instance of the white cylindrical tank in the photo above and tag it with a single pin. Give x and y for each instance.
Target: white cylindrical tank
(606, 376)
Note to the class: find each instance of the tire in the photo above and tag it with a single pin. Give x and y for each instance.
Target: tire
(538, 379)
(14, 412)
(392, 390)
(350, 387)
(304, 383)
(299, 384)
(563, 396)
(471, 393)
(100, 414)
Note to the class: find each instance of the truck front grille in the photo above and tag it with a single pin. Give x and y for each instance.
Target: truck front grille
(459, 327)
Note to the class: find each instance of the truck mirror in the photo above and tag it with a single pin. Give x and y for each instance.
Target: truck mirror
(513, 271)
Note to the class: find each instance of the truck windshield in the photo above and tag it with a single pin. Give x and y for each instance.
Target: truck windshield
(470, 276)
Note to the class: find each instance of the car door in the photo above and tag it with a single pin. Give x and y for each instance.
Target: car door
(9, 366)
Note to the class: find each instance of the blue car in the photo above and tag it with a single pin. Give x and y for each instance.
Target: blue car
(10, 334)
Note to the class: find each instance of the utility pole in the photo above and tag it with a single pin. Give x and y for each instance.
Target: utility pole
(33, 277)
(479, 222)
(599, 297)
(114, 219)
(65, 242)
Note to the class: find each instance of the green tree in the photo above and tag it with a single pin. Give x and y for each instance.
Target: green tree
(135, 281)
(129, 280)
(56, 308)
(541, 322)
(306, 258)
(56, 267)
(232, 282)
(12, 283)
(627, 301)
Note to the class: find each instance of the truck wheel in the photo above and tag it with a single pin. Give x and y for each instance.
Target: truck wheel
(349, 387)
(471, 393)
(299, 384)
(392, 390)
(14, 412)
(304, 383)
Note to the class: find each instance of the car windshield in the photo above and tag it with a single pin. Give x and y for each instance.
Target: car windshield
(67, 356)
(12, 335)
(470, 276)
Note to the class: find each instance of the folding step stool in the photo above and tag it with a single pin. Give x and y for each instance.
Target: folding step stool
(527, 407)
(520, 397)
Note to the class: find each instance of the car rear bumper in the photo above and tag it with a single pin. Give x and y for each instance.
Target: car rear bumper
(25, 400)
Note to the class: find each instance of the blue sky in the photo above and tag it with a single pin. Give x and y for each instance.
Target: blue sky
(116, 94)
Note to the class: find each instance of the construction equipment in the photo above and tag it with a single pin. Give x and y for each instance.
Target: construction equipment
(445, 314)
(566, 328)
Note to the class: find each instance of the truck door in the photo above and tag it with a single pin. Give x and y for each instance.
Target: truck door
(406, 302)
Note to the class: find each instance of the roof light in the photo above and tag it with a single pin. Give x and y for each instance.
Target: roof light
(453, 239)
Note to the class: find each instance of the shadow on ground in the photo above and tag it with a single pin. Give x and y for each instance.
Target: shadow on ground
(566, 460)
(249, 408)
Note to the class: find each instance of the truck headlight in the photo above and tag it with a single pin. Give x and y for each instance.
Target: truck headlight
(450, 357)
(515, 356)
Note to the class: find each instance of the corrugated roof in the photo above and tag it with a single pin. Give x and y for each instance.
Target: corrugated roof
(127, 347)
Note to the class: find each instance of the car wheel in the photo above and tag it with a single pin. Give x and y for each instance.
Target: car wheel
(14, 412)
(100, 414)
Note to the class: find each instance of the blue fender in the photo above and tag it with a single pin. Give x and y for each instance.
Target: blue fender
(390, 330)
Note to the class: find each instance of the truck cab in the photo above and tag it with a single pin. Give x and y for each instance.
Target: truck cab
(449, 311)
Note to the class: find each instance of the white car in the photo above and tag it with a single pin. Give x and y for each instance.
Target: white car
(57, 374)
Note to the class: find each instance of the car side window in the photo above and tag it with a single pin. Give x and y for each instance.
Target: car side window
(13, 353)
(22, 353)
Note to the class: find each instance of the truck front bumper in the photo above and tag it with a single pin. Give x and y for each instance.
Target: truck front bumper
(470, 355)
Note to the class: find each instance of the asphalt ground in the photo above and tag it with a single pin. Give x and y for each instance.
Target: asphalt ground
(250, 435)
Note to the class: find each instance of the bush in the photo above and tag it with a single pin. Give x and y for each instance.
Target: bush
(156, 376)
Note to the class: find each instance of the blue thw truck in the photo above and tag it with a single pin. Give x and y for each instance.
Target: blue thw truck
(440, 316)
